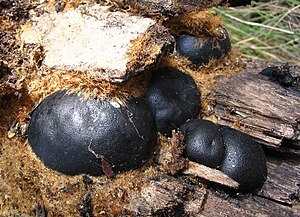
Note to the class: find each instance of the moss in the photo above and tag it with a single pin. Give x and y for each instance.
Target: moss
(196, 23)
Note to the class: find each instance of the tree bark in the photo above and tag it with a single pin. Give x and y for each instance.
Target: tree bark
(260, 107)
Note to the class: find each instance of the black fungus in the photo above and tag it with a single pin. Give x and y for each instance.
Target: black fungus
(73, 135)
(201, 50)
(174, 98)
(234, 3)
(204, 143)
(280, 75)
(244, 160)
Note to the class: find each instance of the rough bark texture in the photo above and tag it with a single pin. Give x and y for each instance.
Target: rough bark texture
(283, 183)
(168, 196)
(172, 7)
(260, 107)
(251, 206)
(244, 96)
(163, 196)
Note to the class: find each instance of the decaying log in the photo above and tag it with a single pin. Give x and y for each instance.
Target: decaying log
(169, 7)
(263, 109)
(163, 195)
(172, 7)
(217, 206)
(283, 182)
(103, 44)
(258, 106)
(281, 189)
(169, 196)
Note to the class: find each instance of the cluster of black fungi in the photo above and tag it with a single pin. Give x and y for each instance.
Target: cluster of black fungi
(73, 135)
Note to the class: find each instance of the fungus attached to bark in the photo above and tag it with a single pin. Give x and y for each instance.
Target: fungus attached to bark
(203, 142)
(174, 98)
(73, 135)
(281, 76)
(201, 50)
(244, 160)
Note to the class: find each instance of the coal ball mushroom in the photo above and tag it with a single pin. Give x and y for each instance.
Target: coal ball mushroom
(174, 98)
(201, 50)
(73, 135)
(204, 143)
(244, 159)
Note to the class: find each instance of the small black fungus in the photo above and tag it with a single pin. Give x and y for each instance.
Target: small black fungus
(174, 98)
(279, 75)
(201, 50)
(244, 161)
(73, 135)
(204, 143)
(234, 3)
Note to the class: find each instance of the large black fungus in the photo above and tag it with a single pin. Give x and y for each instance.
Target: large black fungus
(174, 98)
(201, 50)
(203, 142)
(244, 160)
(74, 136)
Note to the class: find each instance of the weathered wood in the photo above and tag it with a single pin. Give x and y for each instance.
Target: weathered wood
(210, 174)
(169, 196)
(163, 195)
(217, 206)
(103, 44)
(258, 106)
(283, 182)
(172, 7)
(167, 7)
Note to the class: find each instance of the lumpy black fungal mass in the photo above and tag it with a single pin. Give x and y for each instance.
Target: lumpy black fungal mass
(203, 142)
(281, 76)
(174, 98)
(244, 160)
(67, 132)
(201, 50)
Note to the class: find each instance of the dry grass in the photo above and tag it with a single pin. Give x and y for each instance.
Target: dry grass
(268, 30)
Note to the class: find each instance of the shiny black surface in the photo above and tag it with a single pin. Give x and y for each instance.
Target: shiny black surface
(174, 98)
(64, 126)
(200, 50)
(244, 160)
(204, 143)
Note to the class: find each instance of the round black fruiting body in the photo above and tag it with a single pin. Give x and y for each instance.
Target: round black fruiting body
(201, 50)
(174, 98)
(244, 159)
(67, 132)
(204, 143)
